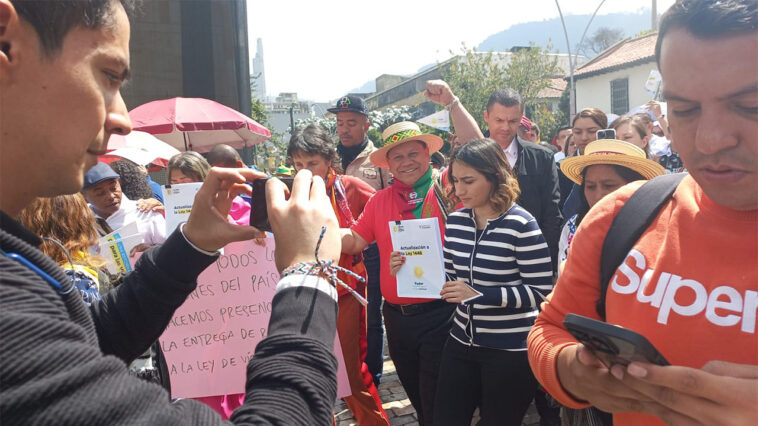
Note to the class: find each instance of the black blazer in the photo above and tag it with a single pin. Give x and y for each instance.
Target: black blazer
(537, 176)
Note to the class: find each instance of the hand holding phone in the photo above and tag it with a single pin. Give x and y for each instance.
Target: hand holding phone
(612, 344)
(259, 206)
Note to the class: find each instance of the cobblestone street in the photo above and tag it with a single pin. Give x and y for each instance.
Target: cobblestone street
(398, 406)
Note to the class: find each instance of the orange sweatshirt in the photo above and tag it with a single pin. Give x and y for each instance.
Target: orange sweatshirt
(690, 285)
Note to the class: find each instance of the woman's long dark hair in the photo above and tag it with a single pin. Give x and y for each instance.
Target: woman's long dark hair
(625, 173)
(486, 156)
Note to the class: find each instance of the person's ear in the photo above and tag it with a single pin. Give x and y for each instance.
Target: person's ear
(240, 164)
(486, 118)
(367, 125)
(9, 28)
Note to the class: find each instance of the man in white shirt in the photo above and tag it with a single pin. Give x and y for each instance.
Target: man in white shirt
(113, 210)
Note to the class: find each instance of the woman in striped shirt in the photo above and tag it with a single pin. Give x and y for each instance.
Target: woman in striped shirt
(499, 271)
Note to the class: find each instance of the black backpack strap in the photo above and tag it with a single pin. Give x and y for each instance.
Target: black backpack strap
(630, 223)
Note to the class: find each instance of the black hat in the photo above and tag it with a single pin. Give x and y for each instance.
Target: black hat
(350, 103)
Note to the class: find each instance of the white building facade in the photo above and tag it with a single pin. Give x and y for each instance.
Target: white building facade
(615, 92)
(614, 81)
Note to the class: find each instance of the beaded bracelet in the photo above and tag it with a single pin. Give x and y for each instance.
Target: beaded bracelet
(327, 269)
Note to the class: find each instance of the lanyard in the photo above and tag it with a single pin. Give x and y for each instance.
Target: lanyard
(44, 275)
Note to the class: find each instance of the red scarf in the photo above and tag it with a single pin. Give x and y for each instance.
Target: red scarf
(336, 192)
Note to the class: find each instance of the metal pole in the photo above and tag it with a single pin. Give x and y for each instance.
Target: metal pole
(654, 16)
(572, 101)
(572, 63)
(292, 118)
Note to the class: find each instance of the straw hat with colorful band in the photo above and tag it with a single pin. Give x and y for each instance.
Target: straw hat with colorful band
(611, 151)
(399, 133)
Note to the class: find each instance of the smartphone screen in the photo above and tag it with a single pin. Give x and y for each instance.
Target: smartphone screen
(259, 207)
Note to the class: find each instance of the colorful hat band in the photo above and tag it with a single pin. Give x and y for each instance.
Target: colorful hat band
(405, 134)
(607, 153)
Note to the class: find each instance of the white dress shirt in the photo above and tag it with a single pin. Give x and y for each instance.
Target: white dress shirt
(511, 153)
(151, 224)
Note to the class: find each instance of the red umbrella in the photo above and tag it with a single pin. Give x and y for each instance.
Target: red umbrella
(197, 124)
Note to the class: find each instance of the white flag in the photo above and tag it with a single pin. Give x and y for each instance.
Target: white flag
(438, 120)
(653, 81)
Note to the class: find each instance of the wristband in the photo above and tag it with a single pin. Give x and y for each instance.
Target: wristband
(454, 102)
(325, 269)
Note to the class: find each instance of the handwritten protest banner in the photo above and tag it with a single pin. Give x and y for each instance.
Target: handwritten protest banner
(213, 335)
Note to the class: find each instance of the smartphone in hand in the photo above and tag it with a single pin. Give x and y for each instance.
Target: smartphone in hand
(259, 207)
(606, 134)
(612, 344)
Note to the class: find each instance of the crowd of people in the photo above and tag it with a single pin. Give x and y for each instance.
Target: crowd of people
(648, 221)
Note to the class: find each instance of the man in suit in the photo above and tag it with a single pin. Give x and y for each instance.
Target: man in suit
(533, 165)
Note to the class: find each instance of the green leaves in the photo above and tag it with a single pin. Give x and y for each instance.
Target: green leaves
(474, 75)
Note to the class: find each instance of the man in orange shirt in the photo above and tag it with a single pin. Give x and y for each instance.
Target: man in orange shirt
(690, 283)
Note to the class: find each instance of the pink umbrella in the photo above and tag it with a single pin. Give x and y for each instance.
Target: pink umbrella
(197, 124)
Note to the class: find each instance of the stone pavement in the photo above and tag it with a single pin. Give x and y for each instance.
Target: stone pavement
(398, 406)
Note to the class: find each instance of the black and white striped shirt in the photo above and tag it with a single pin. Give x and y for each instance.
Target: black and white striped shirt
(508, 264)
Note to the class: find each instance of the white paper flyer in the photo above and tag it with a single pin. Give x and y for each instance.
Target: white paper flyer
(178, 200)
(423, 273)
(116, 247)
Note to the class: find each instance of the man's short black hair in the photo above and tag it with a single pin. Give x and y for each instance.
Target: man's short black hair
(53, 19)
(504, 97)
(708, 19)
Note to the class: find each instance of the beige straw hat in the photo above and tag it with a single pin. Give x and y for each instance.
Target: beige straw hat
(611, 151)
(398, 133)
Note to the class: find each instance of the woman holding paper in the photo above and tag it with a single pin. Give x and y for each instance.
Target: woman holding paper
(499, 270)
(312, 148)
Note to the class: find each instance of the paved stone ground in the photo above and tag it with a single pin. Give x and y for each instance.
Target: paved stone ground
(398, 406)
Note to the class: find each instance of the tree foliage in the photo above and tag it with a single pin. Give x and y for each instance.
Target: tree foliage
(473, 76)
(259, 114)
(602, 39)
(529, 72)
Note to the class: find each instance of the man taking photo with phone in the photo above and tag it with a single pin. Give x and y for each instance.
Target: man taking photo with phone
(62, 64)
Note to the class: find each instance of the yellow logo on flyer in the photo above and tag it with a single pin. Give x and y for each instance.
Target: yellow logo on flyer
(418, 271)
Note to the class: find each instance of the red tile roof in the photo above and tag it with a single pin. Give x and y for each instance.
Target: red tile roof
(626, 53)
(556, 88)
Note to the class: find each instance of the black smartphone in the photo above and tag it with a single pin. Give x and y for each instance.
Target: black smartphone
(259, 207)
(611, 343)
(606, 134)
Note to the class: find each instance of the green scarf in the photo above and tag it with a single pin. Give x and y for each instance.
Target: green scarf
(411, 198)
